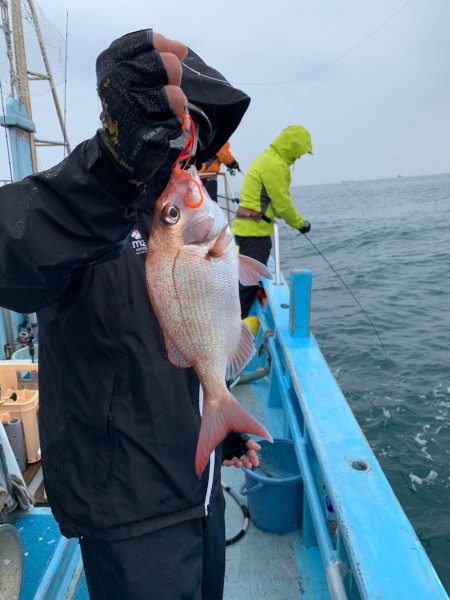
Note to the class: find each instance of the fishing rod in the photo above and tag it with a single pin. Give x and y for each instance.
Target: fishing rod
(349, 290)
(227, 198)
(320, 253)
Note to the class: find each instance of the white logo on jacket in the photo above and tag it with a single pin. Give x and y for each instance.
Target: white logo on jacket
(139, 246)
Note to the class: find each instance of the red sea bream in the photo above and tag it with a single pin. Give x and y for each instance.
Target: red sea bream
(193, 270)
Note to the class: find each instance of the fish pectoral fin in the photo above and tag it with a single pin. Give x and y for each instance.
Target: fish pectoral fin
(174, 355)
(220, 417)
(221, 243)
(251, 271)
(243, 355)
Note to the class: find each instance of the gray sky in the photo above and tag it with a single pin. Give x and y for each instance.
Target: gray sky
(381, 111)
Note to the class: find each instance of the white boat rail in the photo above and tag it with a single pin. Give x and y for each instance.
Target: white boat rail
(228, 194)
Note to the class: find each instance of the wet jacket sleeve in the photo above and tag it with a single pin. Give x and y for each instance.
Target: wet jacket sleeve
(75, 214)
(224, 155)
(277, 188)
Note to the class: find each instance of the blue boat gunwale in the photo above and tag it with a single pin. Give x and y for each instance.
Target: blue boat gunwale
(376, 543)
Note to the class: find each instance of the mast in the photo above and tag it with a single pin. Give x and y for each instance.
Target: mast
(23, 88)
(18, 121)
(20, 77)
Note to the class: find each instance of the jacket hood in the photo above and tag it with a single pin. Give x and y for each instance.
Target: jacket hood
(292, 142)
(224, 104)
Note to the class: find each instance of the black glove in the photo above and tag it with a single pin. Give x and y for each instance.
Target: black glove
(137, 120)
(233, 166)
(234, 445)
(306, 227)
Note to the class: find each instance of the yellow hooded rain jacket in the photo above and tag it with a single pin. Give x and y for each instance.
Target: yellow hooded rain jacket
(266, 184)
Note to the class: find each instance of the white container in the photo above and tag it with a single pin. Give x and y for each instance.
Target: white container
(11, 461)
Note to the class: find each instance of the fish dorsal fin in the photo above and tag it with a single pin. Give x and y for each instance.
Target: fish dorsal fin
(221, 243)
(174, 356)
(243, 355)
(251, 271)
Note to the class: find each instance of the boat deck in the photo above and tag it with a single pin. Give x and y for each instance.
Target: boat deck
(265, 565)
(260, 565)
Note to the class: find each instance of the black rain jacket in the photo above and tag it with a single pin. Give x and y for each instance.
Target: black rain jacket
(118, 422)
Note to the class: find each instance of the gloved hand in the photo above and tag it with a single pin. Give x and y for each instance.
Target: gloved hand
(138, 79)
(306, 227)
(239, 450)
(234, 166)
(234, 445)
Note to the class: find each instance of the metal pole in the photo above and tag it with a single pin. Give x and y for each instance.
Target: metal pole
(10, 345)
(276, 251)
(227, 196)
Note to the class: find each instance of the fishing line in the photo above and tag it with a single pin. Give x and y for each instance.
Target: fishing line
(349, 290)
(314, 71)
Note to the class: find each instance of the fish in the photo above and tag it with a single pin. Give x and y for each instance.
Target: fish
(193, 270)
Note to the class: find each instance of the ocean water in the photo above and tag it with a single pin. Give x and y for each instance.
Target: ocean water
(390, 241)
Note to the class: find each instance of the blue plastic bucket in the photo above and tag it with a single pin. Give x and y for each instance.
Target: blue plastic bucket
(275, 488)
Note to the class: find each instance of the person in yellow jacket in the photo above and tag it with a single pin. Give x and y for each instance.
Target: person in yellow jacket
(223, 157)
(264, 196)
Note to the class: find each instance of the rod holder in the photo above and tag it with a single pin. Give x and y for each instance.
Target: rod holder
(300, 303)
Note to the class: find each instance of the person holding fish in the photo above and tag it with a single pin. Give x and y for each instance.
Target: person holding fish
(265, 196)
(125, 260)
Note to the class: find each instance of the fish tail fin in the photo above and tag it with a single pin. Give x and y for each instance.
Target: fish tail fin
(218, 419)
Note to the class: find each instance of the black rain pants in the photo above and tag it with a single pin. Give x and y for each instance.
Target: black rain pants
(258, 248)
(185, 561)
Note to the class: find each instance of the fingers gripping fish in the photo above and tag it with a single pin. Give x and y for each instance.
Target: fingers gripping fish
(192, 271)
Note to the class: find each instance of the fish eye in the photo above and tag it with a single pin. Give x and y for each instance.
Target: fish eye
(170, 214)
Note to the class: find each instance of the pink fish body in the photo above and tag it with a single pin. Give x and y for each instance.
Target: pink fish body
(193, 270)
